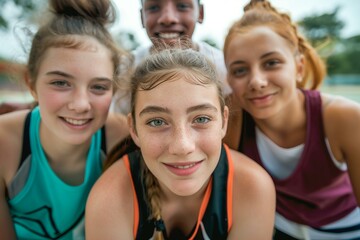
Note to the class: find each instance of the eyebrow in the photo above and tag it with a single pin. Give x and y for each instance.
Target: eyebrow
(66, 75)
(206, 106)
(157, 109)
(60, 74)
(154, 109)
(262, 57)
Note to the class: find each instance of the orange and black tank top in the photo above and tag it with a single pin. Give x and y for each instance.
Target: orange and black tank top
(215, 215)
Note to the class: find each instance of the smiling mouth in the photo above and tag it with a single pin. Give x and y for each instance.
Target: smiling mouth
(183, 166)
(77, 122)
(168, 35)
(183, 169)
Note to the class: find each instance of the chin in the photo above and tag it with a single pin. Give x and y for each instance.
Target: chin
(186, 189)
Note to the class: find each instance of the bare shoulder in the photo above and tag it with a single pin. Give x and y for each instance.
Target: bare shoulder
(112, 186)
(341, 117)
(249, 174)
(253, 200)
(109, 208)
(340, 109)
(11, 134)
(116, 129)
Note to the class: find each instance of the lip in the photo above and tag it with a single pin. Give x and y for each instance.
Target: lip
(262, 99)
(168, 34)
(183, 169)
(76, 123)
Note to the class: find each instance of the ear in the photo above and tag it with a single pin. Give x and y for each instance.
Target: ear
(31, 86)
(300, 67)
(225, 121)
(142, 18)
(132, 130)
(201, 13)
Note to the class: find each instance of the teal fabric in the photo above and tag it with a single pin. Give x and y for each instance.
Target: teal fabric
(47, 207)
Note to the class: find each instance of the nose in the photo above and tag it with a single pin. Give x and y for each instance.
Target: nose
(169, 15)
(258, 80)
(79, 101)
(182, 142)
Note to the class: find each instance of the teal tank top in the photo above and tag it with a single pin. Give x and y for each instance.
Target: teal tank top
(46, 207)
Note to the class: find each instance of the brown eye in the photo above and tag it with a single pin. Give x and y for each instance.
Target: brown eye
(272, 63)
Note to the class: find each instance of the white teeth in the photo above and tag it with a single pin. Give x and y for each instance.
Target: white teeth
(76, 122)
(169, 35)
(185, 166)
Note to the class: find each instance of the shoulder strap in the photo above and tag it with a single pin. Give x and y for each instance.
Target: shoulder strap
(216, 217)
(26, 149)
(146, 226)
(103, 139)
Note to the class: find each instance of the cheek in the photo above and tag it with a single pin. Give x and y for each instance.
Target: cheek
(213, 141)
(237, 84)
(50, 99)
(152, 145)
(102, 103)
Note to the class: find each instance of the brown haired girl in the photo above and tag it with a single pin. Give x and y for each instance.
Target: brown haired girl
(185, 183)
(51, 156)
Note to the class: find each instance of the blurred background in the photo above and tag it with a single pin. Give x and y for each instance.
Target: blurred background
(332, 26)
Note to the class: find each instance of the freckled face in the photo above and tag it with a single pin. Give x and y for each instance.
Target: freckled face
(73, 95)
(180, 136)
(262, 71)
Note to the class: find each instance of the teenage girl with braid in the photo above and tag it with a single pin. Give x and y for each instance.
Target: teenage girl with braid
(185, 183)
(51, 156)
(306, 140)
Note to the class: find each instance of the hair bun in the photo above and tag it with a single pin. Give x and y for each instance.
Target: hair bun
(101, 11)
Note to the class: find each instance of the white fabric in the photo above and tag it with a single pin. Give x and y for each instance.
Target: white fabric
(281, 162)
(305, 232)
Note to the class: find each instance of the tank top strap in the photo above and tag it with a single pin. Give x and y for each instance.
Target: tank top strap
(26, 149)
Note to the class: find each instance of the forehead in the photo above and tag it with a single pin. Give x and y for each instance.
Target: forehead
(175, 1)
(179, 93)
(257, 40)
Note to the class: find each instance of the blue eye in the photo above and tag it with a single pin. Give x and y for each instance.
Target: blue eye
(202, 120)
(156, 123)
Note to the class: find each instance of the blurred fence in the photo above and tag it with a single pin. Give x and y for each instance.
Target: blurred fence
(346, 85)
(343, 79)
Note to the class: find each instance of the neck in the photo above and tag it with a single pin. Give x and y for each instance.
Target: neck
(68, 161)
(287, 128)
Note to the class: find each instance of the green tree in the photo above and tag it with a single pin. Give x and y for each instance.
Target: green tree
(346, 59)
(319, 28)
(324, 32)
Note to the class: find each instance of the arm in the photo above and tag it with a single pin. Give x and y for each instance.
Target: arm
(7, 107)
(342, 127)
(116, 129)
(253, 201)
(10, 148)
(6, 224)
(109, 209)
(232, 137)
